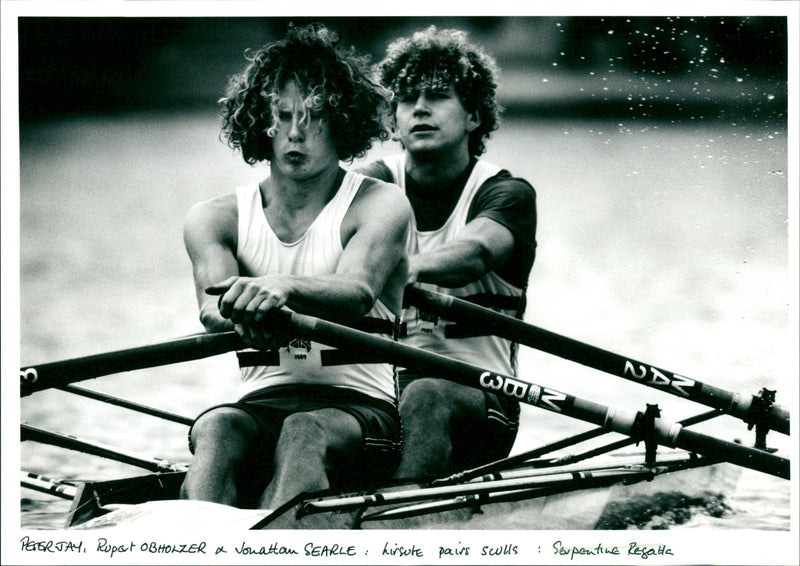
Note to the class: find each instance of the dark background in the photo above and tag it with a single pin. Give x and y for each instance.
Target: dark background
(108, 64)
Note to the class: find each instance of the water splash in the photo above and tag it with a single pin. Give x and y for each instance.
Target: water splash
(661, 511)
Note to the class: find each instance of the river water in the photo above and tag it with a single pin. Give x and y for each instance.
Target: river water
(665, 242)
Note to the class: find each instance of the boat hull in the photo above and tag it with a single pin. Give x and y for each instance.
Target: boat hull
(574, 507)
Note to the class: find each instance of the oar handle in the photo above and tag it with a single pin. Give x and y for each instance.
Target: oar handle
(739, 405)
(624, 422)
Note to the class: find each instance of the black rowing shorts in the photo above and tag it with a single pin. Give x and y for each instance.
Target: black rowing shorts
(480, 442)
(379, 420)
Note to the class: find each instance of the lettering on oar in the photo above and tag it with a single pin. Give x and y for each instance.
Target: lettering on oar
(507, 385)
(657, 378)
(553, 399)
(527, 392)
(29, 375)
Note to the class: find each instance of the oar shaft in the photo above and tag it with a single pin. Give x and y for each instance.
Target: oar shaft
(96, 449)
(475, 488)
(544, 489)
(669, 434)
(510, 328)
(47, 485)
(139, 408)
(55, 374)
(523, 457)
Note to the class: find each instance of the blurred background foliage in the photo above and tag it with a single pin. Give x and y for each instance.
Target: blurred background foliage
(551, 65)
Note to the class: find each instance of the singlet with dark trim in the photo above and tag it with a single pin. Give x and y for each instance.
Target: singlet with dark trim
(317, 252)
(502, 290)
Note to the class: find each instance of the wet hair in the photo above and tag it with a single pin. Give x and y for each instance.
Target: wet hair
(327, 77)
(434, 59)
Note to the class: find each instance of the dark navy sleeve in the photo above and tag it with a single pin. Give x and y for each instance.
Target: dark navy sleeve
(510, 201)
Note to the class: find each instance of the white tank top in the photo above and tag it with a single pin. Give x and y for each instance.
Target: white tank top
(317, 252)
(431, 333)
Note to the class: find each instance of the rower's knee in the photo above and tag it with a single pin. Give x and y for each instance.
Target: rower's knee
(426, 399)
(222, 428)
(303, 432)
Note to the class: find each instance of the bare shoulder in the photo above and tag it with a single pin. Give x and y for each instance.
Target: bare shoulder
(378, 208)
(388, 198)
(216, 218)
(216, 209)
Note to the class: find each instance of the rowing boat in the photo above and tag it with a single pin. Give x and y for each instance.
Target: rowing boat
(561, 485)
(613, 495)
(609, 491)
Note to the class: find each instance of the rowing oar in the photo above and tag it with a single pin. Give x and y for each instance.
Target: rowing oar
(44, 376)
(531, 484)
(526, 457)
(61, 373)
(70, 442)
(124, 403)
(457, 310)
(58, 488)
(615, 420)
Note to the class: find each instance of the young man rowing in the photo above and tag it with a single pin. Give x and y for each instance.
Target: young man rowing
(306, 238)
(475, 237)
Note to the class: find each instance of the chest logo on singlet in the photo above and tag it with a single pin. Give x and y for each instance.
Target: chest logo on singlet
(427, 322)
(299, 344)
(300, 356)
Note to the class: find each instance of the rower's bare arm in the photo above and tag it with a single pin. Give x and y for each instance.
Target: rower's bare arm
(373, 265)
(481, 246)
(209, 236)
(375, 257)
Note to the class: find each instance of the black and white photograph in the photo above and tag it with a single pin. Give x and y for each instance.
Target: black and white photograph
(457, 284)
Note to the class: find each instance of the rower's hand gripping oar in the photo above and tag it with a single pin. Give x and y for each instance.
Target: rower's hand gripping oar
(623, 422)
(756, 411)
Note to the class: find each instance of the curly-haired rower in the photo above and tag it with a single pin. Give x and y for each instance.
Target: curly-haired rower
(327, 76)
(474, 237)
(314, 238)
(433, 59)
